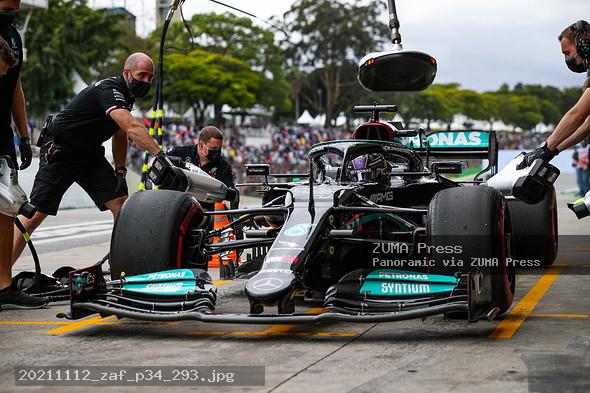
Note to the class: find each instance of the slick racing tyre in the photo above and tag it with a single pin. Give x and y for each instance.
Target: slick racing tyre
(155, 231)
(468, 231)
(534, 230)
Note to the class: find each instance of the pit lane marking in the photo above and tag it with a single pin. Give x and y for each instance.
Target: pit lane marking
(560, 315)
(80, 236)
(507, 327)
(265, 333)
(281, 329)
(77, 325)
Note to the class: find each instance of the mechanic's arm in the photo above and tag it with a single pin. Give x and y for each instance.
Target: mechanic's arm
(569, 123)
(579, 135)
(120, 145)
(137, 132)
(18, 110)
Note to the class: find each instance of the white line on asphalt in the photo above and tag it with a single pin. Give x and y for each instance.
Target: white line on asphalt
(73, 225)
(72, 237)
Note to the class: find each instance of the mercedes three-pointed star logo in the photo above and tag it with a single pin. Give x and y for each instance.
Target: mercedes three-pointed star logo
(267, 284)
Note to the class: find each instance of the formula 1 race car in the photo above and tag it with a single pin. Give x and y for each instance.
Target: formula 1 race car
(374, 231)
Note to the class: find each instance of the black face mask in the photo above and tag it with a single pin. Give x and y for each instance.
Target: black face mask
(214, 154)
(571, 64)
(7, 18)
(138, 88)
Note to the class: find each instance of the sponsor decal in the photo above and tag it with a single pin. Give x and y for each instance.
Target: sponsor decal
(82, 282)
(401, 275)
(288, 245)
(162, 288)
(466, 139)
(299, 230)
(381, 196)
(159, 276)
(282, 258)
(378, 288)
(267, 284)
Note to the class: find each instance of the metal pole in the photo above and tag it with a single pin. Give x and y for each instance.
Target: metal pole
(396, 37)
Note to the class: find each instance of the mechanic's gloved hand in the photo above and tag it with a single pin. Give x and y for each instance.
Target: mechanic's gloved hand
(121, 185)
(26, 154)
(541, 152)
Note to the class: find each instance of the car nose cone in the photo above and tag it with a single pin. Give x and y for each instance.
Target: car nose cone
(269, 286)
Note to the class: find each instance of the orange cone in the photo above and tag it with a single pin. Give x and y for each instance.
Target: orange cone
(219, 222)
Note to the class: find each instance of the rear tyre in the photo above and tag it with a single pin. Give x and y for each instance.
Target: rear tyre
(534, 229)
(471, 224)
(154, 232)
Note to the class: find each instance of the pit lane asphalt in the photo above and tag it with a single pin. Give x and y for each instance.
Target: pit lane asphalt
(548, 349)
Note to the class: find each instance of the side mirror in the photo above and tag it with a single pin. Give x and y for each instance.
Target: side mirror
(396, 71)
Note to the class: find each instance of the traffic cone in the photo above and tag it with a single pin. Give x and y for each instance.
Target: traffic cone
(219, 222)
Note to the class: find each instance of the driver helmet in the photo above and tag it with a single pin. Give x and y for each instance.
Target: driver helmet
(367, 168)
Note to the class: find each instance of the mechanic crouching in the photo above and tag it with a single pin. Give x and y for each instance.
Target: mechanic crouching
(72, 150)
(206, 154)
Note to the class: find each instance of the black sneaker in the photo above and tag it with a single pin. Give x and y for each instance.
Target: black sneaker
(13, 298)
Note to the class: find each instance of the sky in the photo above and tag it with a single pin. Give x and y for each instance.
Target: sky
(479, 44)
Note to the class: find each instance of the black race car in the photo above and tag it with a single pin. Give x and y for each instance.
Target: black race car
(377, 230)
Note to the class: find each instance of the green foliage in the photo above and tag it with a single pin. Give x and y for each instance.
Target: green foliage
(238, 38)
(61, 40)
(201, 78)
(327, 36)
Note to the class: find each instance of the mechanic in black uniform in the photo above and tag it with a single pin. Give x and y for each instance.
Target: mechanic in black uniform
(72, 150)
(206, 154)
(12, 107)
(575, 124)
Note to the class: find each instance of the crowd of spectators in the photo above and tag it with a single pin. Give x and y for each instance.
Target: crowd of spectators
(286, 152)
(520, 140)
(288, 147)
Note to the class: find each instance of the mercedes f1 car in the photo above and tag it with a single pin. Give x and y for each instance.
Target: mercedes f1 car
(376, 231)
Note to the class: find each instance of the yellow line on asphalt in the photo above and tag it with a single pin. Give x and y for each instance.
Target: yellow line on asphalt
(560, 315)
(77, 325)
(265, 333)
(277, 330)
(524, 308)
(280, 329)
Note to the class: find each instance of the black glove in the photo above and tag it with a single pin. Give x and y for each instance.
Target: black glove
(26, 154)
(541, 152)
(121, 185)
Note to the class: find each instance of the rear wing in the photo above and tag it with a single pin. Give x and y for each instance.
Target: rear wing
(457, 145)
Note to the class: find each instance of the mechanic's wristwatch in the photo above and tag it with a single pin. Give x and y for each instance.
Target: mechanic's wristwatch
(121, 171)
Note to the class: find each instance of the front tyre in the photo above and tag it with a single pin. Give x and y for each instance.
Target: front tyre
(155, 231)
(472, 224)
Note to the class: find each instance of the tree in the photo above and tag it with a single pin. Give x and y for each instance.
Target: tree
(201, 78)
(232, 36)
(61, 40)
(520, 111)
(432, 104)
(329, 35)
(491, 107)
